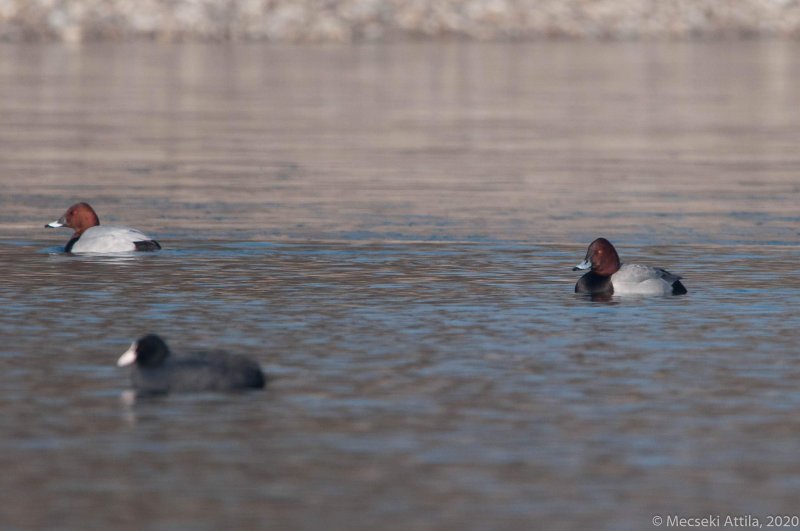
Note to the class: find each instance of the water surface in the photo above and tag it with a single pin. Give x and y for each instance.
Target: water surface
(390, 231)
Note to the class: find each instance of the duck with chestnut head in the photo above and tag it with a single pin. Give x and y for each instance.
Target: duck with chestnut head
(91, 237)
(608, 276)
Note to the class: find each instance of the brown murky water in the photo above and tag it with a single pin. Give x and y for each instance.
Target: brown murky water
(389, 230)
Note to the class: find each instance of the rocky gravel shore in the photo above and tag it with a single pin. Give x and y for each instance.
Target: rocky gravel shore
(383, 20)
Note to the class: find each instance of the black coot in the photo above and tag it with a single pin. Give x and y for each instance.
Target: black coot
(156, 370)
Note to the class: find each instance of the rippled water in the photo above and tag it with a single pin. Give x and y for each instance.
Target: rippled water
(390, 232)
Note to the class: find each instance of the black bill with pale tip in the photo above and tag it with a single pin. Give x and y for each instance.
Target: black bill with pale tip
(586, 264)
(55, 224)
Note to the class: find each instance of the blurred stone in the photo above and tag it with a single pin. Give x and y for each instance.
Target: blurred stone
(353, 20)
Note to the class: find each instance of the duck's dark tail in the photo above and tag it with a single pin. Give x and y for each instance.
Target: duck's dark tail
(678, 288)
(147, 245)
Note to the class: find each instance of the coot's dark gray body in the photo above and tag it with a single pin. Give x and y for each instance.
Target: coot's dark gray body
(156, 370)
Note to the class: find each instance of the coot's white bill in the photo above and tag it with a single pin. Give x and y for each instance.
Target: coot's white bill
(128, 357)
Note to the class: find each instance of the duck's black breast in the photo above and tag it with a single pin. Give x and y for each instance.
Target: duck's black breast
(594, 284)
(70, 244)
